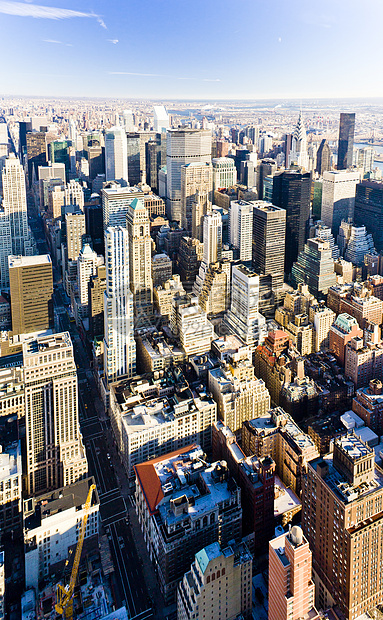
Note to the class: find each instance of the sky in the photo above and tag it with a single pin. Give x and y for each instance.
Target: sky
(192, 49)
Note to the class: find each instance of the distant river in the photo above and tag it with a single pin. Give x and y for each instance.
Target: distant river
(378, 149)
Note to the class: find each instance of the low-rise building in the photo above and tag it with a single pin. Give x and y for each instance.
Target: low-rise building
(218, 585)
(52, 522)
(164, 295)
(368, 404)
(344, 328)
(155, 351)
(183, 504)
(153, 415)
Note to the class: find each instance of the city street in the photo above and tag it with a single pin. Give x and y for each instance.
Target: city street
(128, 579)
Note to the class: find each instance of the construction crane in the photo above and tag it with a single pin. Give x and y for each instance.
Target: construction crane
(64, 594)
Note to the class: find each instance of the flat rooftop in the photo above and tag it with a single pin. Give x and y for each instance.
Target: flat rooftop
(29, 261)
(47, 343)
(43, 506)
(284, 499)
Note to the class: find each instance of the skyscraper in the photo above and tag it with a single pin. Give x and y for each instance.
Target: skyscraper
(196, 189)
(87, 264)
(342, 521)
(346, 140)
(291, 589)
(323, 162)
(369, 209)
(243, 318)
(241, 228)
(75, 229)
(140, 261)
(212, 237)
(115, 202)
(224, 173)
(31, 289)
(55, 452)
(15, 204)
(183, 146)
(315, 267)
(269, 232)
(298, 153)
(338, 197)
(116, 155)
(119, 343)
(291, 191)
(161, 118)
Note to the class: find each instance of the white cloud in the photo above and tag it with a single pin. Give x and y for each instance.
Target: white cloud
(114, 41)
(173, 77)
(58, 42)
(21, 9)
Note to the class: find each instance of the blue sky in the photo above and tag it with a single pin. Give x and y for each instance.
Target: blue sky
(192, 48)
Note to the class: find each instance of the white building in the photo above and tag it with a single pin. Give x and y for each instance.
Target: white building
(241, 228)
(212, 247)
(243, 318)
(115, 202)
(10, 487)
(183, 146)
(116, 155)
(119, 343)
(298, 152)
(161, 118)
(190, 323)
(55, 452)
(338, 197)
(147, 428)
(51, 527)
(128, 119)
(218, 586)
(15, 206)
(87, 264)
(140, 261)
(224, 172)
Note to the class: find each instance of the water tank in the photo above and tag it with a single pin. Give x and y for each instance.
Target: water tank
(296, 534)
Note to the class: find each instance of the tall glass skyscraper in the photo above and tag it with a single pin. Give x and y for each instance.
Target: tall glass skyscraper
(346, 140)
(291, 191)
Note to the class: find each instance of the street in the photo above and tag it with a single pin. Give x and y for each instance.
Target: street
(128, 579)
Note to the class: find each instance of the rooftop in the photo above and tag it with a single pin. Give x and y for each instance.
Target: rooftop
(47, 343)
(10, 461)
(43, 506)
(29, 261)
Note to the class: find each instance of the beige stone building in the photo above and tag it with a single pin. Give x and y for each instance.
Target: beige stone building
(343, 523)
(276, 434)
(238, 393)
(218, 585)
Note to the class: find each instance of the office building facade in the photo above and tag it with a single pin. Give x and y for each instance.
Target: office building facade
(119, 343)
(54, 449)
(346, 140)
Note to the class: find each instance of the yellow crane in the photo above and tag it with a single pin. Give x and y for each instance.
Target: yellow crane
(64, 594)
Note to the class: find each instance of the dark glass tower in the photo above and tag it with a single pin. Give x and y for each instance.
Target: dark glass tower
(369, 210)
(346, 140)
(291, 191)
(323, 158)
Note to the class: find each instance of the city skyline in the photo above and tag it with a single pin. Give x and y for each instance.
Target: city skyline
(213, 51)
